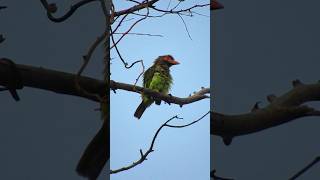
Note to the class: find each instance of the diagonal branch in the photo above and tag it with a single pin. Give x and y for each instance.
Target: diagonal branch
(144, 155)
(288, 107)
(305, 169)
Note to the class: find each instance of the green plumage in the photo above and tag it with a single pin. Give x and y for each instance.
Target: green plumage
(157, 78)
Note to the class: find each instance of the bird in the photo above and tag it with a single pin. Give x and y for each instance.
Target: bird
(157, 78)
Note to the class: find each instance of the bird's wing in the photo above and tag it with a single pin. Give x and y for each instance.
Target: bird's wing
(147, 77)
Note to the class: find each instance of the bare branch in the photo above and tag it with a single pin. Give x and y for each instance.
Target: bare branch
(283, 109)
(52, 8)
(125, 63)
(86, 59)
(172, 11)
(167, 98)
(185, 26)
(144, 155)
(182, 126)
(305, 169)
(141, 34)
(131, 27)
(136, 8)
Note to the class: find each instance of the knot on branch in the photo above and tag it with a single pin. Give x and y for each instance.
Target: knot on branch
(14, 79)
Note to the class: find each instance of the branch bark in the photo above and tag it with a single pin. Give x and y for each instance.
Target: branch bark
(288, 107)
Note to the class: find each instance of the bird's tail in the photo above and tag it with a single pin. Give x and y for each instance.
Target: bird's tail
(141, 108)
(95, 155)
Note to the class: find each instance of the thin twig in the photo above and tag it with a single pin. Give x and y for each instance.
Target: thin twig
(131, 27)
(141, 34)
(86, 59)
(182, 126)
(138, 7)
(305, 169)
(185, 26)
(126, 64)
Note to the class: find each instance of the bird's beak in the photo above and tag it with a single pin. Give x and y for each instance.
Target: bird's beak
(174, 62)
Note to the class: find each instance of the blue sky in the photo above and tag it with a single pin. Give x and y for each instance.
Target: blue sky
(179, 153)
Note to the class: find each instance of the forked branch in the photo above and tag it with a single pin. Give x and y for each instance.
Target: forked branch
(144, 155)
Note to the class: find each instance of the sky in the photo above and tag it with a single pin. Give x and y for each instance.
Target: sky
(43, 135)
(258, 48)
(179, 153)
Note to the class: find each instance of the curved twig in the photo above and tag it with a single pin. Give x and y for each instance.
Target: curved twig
(52, 8)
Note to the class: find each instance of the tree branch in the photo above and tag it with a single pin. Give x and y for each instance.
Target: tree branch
(144, 155)
(63, 83)
(283, 109)
(52, 8)
(135, 8)
(167, 98)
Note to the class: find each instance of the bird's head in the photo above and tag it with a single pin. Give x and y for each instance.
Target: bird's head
(167, 60)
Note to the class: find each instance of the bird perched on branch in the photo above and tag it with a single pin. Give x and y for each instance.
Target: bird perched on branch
(157, 78)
